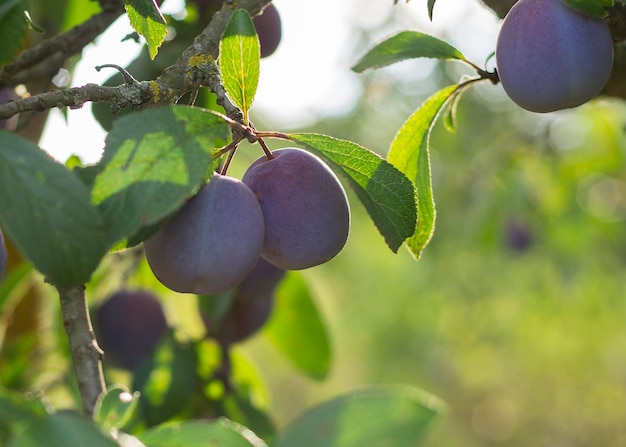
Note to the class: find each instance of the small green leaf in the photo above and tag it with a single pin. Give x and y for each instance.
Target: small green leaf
(406, 45)
(592, 8)
(374, 417)
(12, 29)
(431, 6)
(297, 329)
(154, 160)
(239, 62)
(46, 211)
(386, 193)
(409, 152)
(216, 433)
(115, 407)
(146, 18)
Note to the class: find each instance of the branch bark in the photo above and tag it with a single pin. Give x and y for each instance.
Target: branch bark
(86, 354)
(196, 67)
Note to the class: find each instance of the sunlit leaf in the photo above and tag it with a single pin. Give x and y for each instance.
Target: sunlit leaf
(406, 45)
(154, 160)
(239, 61)
(297, 329)
(215, 433)
(386, 193)
(46, 211)
(146, 18)
(374, 417)
(409, 152)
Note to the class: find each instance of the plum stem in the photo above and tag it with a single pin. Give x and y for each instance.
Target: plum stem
(266, 149)
(231, 154)
(86, 354)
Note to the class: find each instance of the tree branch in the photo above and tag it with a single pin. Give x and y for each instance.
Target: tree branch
(86, 354)
(196, 67)
(49, 56)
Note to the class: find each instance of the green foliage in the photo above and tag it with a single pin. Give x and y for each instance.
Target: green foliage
(153, 161)
(13, 28)
(47, 211)
(146, 18)
(240, 53)
(115, 407)
(593, 8)
(220, 433)
(385, 416)
(388, 196)
(409, 152)
(296, 328)
(406, 45)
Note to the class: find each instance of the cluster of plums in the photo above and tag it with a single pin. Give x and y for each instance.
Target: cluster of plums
(290, 210)
(550, 57)
(131, 323)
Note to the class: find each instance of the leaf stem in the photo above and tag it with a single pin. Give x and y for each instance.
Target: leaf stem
(86, 354)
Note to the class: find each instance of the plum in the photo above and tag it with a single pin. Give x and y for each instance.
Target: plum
(305, 208)
(267, 23)
(213, 242)
(3, 255)
(269, 29)
(550, 57)
(129, 324)
(251, 304)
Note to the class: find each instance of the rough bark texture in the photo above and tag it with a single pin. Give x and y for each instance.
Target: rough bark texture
(86, 354)
(195, 68)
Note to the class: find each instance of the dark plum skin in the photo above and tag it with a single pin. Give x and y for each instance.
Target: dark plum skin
(252, 302)
(306, 211)
(550, 57)
(3, 255)
(212, 243)
(267, 23)
(129, 324)
(269, 29)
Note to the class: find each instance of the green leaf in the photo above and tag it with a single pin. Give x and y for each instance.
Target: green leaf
(406, 45)
(216, 433)
(154, 160)
(386, 193)
(146, 18)
(409, 152)
(239, 62)
(592, 8)
(375, 417)
(297, 329)
(19, 409)
(47, 213)
(62, 429)
(13, 28)
(115, 407)
(431, 5)
(167, 380)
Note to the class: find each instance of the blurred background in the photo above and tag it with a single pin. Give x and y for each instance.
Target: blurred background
(516, 313)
